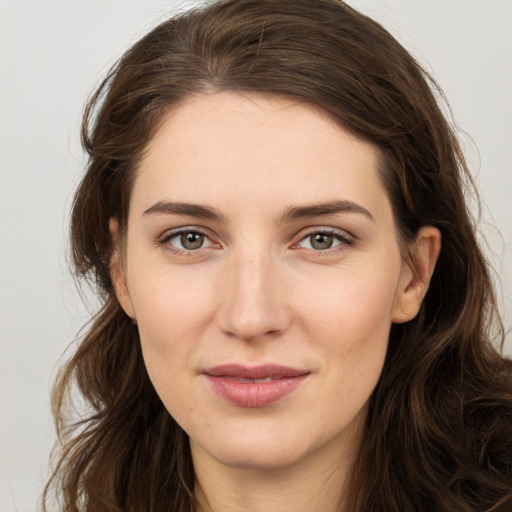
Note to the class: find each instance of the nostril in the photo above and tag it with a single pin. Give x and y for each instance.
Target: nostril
(255, 326)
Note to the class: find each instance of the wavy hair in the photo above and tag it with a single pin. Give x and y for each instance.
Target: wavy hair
(438, 436)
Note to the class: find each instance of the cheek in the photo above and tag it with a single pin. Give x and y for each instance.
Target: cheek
(353, 302)
(172, 310)
(350, 325)
(168, 326)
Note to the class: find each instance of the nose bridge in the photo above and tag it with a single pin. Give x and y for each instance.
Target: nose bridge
(252, 303)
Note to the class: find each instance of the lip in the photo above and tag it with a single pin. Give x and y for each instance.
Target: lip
(236, 383)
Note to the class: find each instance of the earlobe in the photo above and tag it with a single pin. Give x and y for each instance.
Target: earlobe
(416, 274)
(118, 272)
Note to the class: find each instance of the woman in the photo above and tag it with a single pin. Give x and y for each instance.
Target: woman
(297, 315)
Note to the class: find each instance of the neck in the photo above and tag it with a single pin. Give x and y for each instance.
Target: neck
(317, 482)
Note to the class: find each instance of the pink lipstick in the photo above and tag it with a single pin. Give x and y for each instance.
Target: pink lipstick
(256, 386)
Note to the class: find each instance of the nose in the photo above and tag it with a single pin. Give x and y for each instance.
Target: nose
(252, 300)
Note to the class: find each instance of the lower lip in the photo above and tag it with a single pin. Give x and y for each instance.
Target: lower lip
(254, 394)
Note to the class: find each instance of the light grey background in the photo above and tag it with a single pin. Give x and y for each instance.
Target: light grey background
(53, 52)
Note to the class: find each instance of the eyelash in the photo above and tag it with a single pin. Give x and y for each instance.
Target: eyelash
(340, 236)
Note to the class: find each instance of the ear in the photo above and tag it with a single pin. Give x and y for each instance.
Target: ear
(416, 274)
(118, 271)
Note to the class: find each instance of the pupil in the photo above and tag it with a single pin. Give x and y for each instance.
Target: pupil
(322, 242)
(192, 240)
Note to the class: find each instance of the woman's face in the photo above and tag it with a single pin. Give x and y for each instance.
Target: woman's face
(263, 270)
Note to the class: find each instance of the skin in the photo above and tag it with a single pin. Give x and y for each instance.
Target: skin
(261, 289)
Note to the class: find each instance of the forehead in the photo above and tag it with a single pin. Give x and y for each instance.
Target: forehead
(236, 148)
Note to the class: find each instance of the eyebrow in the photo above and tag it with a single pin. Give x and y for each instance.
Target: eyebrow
(192, 210)
(329, 208)
(290, 214)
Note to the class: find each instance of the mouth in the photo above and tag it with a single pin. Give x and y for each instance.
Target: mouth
(245, 381)
(254, 386)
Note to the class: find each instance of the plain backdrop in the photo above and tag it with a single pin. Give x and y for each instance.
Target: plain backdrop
(53, 52)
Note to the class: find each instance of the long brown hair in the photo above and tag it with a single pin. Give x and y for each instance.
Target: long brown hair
(438, 436)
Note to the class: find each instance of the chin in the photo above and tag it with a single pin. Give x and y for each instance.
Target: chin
(252, 447)
(259, 458)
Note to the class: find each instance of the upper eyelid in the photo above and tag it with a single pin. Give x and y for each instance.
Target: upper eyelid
(305, 232)
(171, 233)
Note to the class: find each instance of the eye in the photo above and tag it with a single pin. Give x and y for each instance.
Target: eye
(190, 241)
(187, 241)
(325, 240)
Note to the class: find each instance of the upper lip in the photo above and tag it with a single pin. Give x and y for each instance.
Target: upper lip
(254, 372)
